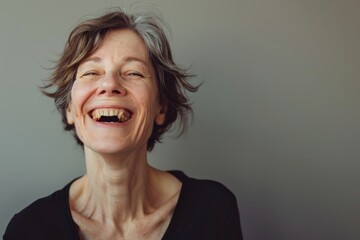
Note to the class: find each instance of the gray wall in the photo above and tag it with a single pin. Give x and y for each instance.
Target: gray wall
(277, 119)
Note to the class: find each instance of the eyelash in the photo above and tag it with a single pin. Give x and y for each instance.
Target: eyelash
(131, 74)
(89, 73)
(135, 74)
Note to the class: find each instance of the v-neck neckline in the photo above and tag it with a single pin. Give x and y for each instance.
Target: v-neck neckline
(176, 216)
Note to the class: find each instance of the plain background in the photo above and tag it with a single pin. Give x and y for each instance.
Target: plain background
(277, 119)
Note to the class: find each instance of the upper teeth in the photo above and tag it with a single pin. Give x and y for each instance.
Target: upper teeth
(122, 114)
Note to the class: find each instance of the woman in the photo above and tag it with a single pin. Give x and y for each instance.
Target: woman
(118, 89)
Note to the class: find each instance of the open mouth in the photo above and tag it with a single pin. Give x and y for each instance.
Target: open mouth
(111, 115)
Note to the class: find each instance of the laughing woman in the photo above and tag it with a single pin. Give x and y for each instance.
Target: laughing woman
(118, 89)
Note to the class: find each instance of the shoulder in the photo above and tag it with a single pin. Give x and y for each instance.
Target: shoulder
(206, 210)
(209, 193)
(43, 215)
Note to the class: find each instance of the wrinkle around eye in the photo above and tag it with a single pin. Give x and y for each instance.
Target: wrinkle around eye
(89, 74)
(136, 74)
(132, 75)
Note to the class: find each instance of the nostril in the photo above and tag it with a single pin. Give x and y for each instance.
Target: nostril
(115, 92)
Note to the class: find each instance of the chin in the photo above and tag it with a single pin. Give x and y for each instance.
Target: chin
(113, 147)
(108, 148)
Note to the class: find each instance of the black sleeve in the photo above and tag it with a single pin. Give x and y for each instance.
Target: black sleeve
(44, 219)
(231, 225)
(15, 231)
(215, 208)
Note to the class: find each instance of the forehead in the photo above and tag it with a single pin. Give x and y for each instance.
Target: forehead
(120, 44)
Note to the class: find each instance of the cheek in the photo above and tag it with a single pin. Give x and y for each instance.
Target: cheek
(148, 98)
(79, 95)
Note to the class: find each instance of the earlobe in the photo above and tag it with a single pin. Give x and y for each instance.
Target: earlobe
(161, 116)
(160, 119)
(69, 116)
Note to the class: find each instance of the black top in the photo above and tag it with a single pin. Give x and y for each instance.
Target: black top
(205, 210)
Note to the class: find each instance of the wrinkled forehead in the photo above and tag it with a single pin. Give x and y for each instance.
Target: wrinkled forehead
(118, 46)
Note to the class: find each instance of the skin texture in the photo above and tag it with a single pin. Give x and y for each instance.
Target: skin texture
(121, 196)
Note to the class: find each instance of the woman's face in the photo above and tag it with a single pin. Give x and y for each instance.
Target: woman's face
(114, 101)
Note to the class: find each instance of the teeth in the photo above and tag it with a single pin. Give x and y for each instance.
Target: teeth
(96, 115)
(122, 114)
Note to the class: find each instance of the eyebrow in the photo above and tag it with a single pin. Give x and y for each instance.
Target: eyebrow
(92, 59)
(128, 59)
(135, 59)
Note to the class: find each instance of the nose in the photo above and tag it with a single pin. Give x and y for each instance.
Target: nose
(111, 85)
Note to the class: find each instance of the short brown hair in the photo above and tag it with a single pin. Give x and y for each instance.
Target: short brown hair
(86, 38)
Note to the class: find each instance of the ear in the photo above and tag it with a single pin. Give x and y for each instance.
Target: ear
(161, 116)
(69, 115)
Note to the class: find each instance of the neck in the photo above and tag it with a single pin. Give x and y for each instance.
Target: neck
(117, 188)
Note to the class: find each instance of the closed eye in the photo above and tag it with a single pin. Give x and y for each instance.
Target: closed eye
(135, 74)
(89, 74)
(132, 75)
